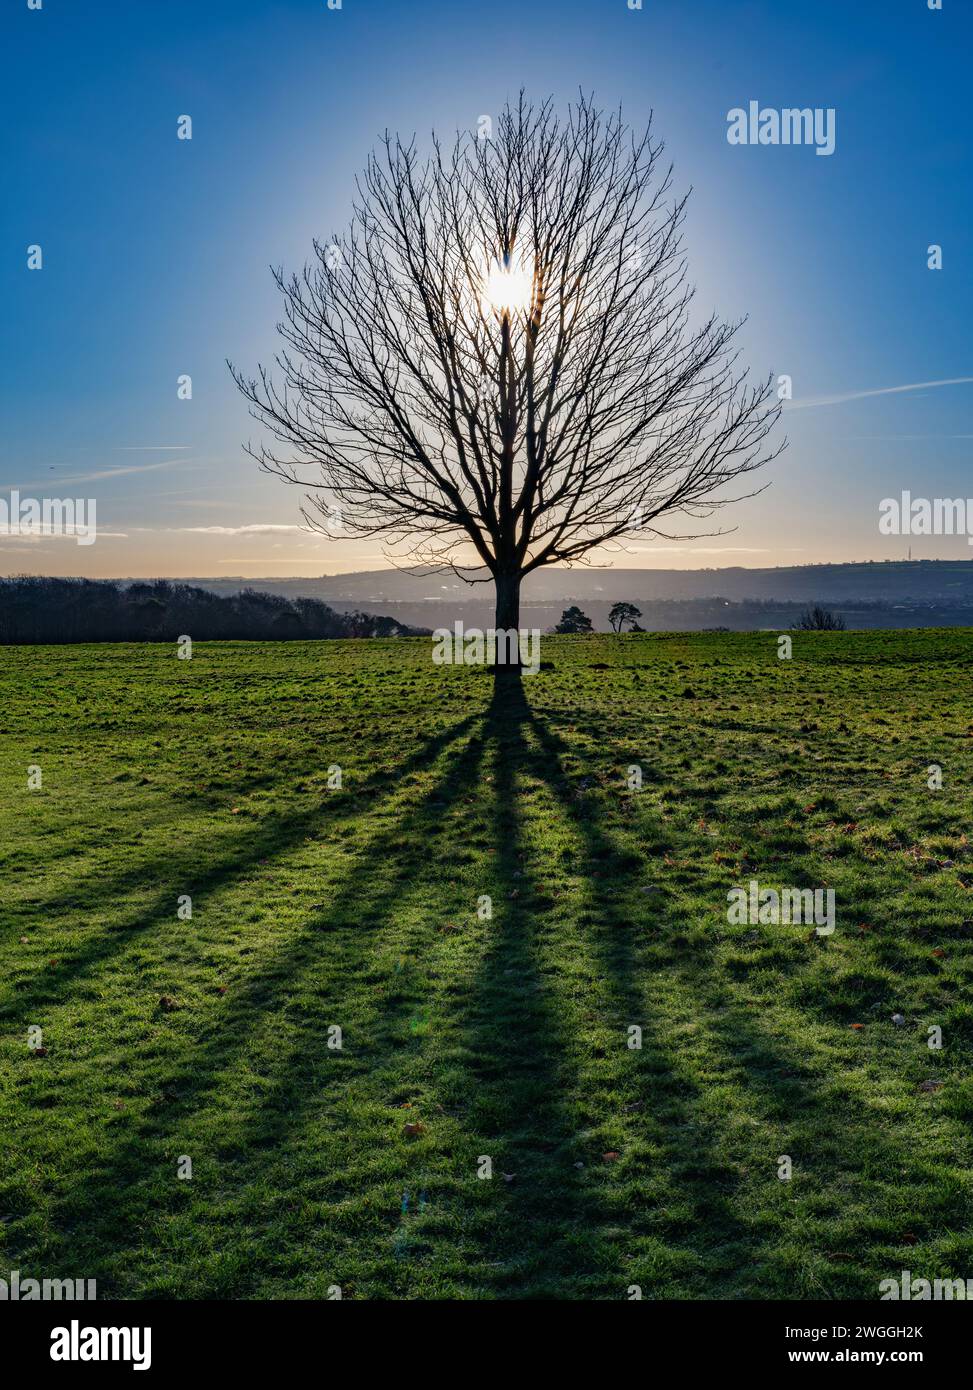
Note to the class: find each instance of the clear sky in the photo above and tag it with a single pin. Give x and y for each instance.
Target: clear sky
(156, 250)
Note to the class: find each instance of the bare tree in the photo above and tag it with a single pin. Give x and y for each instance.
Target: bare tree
(496, 367)
(818, 619)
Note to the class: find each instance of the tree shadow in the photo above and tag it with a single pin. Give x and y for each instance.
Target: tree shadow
(132, 1186)
(263, 842)
(543, 1110)
(546, 1109)
(587, 1139)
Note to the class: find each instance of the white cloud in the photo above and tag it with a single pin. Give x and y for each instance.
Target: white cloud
(881, 391)
(70, 532)
(256, 529)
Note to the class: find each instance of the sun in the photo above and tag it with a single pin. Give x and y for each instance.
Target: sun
(508, 287)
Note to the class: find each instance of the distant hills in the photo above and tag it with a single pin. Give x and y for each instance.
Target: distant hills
(893, 593)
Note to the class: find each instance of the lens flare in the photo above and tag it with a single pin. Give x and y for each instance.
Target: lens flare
(508, 288)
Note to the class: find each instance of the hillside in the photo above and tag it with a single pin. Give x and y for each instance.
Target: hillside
(920, 593)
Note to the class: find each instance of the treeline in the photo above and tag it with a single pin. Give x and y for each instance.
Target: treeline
(48, 610)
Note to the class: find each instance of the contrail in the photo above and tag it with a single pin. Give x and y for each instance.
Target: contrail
(882, 391)
(104, 473)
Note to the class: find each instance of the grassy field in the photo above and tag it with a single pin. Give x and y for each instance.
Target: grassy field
(316, 908)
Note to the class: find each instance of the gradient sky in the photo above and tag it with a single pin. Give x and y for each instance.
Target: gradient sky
(156, 251)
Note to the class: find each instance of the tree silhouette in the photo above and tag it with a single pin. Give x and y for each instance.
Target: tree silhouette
(819, 619)
(573, 620)
(496, 367)
(623, 613)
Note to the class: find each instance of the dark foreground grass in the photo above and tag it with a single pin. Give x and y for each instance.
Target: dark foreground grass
(315, 908)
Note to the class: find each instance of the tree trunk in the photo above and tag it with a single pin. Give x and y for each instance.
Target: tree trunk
(507, 619)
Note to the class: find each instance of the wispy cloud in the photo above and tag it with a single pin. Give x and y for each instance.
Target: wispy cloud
(256, 529)
(881, 391)
(102, 474)
(70, 532)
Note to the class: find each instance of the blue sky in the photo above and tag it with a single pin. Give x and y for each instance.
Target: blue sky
(156, 251)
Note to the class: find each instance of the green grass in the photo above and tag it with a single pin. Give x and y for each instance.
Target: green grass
(357, 908)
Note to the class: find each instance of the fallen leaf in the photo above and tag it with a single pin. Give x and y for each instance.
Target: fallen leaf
(413, 1128)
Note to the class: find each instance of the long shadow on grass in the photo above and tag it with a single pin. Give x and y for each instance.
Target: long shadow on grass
(534, 1102)
(100, 1220)
(262, 843)
(538, 1100)
(774, 1083)
(543, 1236)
